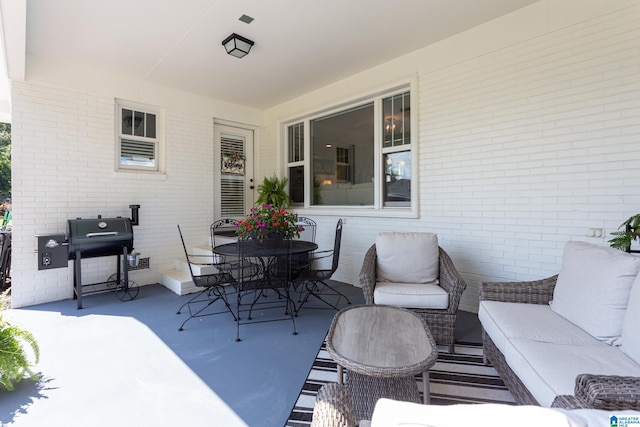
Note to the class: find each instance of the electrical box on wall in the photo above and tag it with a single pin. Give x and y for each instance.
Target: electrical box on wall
(53, 251)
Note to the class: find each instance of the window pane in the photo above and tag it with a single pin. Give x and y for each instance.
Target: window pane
(150, 125)
(296, 142)
(296, 184)
(138, 123)
(396, 112)
(397, 179)
(127, 122)
(342, 145)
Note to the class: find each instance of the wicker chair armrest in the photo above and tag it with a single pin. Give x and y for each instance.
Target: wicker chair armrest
(568, 401)
(367, 275)
(333, 407)
(451, 281)
(533, 292)
(608, 392)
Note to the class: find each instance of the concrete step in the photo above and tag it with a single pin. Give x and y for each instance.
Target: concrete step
(198, 270)
(178, 282)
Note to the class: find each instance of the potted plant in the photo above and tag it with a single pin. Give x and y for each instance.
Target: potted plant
(622, 239)
(267, 221)
(14, 358)
(272, 192)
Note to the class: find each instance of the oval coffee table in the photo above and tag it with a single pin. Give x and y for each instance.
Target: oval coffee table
(383, 348)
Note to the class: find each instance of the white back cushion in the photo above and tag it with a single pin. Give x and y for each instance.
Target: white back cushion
(407, 257)
(593, 288)
(630, 333)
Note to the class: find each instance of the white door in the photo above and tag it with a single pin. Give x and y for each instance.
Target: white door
(233, 173)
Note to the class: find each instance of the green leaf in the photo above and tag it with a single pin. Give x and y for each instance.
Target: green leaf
(272, 191)
(17, 348)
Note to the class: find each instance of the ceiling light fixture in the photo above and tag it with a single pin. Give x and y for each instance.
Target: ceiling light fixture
(237, 46)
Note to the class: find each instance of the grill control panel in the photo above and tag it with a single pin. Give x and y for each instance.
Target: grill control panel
(53, 251)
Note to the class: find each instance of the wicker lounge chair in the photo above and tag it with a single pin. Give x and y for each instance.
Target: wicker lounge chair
(441, 322)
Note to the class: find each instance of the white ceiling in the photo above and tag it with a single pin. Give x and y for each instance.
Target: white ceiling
(300, 45)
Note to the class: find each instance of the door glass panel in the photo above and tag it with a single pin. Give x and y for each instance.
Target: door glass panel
(232, 176)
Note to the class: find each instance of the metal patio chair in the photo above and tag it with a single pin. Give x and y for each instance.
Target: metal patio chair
(315, 279)
(256, 286)
(214, 281)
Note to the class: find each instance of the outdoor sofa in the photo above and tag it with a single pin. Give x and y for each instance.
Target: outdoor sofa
(571, 340)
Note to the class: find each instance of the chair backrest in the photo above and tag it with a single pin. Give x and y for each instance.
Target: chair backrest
(407, 257)
(310, 226)
(186, 255)
(224, 228)
(336, 246)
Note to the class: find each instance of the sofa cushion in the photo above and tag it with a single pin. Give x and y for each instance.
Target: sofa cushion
(407, 257)
(411, 295)
(548, 369)
(593, 288)
(506, 320)
(630, 336)
(546, 351)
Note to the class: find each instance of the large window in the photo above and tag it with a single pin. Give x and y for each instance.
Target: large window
(139, 137)
(356, 156)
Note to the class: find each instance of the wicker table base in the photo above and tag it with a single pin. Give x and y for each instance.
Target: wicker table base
(382, 348)
(367, 390)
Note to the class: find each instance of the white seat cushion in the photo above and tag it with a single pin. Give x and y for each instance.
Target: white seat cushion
(546, 351)
(407, 257)
(630, 335)
(411, 295)
(507, 320)
(548, 369)
(593, 288)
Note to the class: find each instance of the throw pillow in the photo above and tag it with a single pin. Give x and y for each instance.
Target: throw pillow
(593, 288)
(630, 336)
(407, 257)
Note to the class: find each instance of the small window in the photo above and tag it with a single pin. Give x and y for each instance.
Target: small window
(139, 141)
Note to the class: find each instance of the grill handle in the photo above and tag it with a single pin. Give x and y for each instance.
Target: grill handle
(104, 233)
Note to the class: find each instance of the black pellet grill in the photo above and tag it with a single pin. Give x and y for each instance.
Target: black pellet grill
(99, 237)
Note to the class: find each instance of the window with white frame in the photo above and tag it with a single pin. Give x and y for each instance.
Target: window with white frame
(355, 156)
(139, 139)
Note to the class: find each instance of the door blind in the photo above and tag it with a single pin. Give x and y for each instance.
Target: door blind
(232, 197)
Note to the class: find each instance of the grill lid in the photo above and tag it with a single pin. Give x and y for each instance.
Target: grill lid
(99, 236)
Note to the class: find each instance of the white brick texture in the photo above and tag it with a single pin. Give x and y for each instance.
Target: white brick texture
(521, 149)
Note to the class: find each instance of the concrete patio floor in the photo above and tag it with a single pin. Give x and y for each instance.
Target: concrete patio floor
(119, 363)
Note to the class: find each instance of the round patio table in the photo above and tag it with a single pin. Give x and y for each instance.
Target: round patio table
(382, 348)
(266, 248)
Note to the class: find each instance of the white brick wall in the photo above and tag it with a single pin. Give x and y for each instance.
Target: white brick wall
(529, 146)
(521, 148)
(525, 140)
(63, 168)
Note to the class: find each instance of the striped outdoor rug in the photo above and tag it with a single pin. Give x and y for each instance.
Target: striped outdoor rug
(461, 377)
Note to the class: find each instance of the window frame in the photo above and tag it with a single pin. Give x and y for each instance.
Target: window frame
(378, 208)
(157, 141)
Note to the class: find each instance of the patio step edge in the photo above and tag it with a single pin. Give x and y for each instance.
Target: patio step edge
(178, 282)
